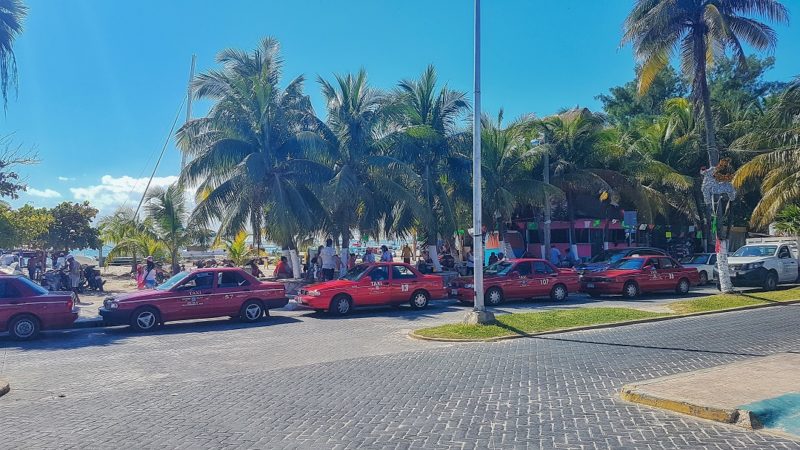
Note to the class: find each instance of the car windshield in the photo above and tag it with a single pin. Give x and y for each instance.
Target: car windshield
(608, 256)
(356, 272)
(628, 264)
(33, 286)
(175, 279)
(500, 268)
(696, 259)
(756, 250)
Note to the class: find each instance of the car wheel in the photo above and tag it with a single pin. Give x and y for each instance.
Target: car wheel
(145, 319)
(683, 286)
(558, 293)
(771, 283)
(341, 305)
(494, 296)
(251, 311)
(703, 278)
(630, 290)
(24, 327)
(419, 300)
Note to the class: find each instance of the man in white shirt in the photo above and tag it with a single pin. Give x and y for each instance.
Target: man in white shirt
(328, 256)
(555, 256)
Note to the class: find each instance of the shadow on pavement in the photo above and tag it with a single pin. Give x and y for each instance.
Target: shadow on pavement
(106, 336)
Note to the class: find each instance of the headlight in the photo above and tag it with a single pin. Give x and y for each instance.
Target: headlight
(469, 286)
(753, 265)
(110, 303)
(313, 293)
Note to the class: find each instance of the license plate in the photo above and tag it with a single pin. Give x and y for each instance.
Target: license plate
(453, 291)
(590, 285)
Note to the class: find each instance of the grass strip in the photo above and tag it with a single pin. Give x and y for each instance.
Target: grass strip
(535, 322)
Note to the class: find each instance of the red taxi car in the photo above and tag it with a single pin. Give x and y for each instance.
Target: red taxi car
(518, 279)
(27, 308)
(633, 276)
(373, 285)
(199, 294)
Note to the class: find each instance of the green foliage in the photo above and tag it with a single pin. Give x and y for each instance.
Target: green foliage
(237, 249)
(626, 107)
(12, 13)
(788, 220)
(29, 226)
(72, 227)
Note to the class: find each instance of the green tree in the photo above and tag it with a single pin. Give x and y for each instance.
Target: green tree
(30, 226)
(700, 30)
(247, 154)
(788, 220)
(72, 227)
(117, 229)
(428, 141)
(625, 105)
(12, 13)
(166, 207)
(237, 249)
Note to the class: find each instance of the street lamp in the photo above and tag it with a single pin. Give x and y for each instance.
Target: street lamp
(478, 313)
(541, 141)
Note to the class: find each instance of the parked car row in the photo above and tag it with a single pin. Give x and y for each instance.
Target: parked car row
(26, 308)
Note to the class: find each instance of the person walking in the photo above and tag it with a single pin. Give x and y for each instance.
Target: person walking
(328, 260)
(406, 254)
(150, 273)
(386, 256)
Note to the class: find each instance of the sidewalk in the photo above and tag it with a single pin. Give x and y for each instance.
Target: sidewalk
(761, 392)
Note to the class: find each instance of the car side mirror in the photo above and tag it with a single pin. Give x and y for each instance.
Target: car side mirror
(648, 268)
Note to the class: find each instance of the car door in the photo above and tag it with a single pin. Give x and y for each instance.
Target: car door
(403, 283)
(788, 265)
(667, 271)
(649, 278)
(518, 280)
(191, 299)
(9, 301)
(378, 291)
(712, 265)
(231, 291)
(542, 279)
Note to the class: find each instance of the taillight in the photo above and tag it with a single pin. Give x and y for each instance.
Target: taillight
(71, 302)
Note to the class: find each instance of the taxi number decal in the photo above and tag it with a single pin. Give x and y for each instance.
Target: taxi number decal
(671, 276)
(544, 281)
(404, 287)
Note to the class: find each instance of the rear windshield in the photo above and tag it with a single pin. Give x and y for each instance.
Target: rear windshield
(33, 286)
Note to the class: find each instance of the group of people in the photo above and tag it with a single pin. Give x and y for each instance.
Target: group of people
(147, 274)
(568, 259)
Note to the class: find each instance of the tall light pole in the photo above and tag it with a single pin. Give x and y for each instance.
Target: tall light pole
(541, 142)
(478, 313)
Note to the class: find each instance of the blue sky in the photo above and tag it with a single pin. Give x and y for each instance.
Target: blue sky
(101, 81)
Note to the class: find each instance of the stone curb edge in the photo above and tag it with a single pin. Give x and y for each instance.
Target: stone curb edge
(412, 334)
(4, 387)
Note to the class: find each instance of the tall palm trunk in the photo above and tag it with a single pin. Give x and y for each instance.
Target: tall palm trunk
(716, 214)
(431, 234)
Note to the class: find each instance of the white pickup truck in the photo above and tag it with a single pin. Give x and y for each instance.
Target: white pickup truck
(765, 263)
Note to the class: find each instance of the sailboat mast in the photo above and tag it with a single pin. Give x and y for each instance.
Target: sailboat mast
(189, 103)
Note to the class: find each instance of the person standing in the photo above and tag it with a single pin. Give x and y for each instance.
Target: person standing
(470, 263)
(150, 274)
(555, 256)
(351, 261)
(406, 254)
(369, 257)
(386, 256)
(492, 258)
(570, 260)
(328, 260)
(32, 261)
(74, 270)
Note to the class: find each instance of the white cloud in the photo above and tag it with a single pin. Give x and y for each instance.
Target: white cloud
(116, 191)
(66, 179)
(47, 193)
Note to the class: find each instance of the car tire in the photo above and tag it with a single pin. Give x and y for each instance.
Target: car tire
(771, 283)
(703, 278)
(24, 327)
(419, 300)
(341, 305)
(145, 318)
(251, 311)
(559, 293)
(683, 286)
(630, 290)
(494, 296)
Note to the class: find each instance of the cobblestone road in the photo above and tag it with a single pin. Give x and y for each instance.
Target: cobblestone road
(301, 380)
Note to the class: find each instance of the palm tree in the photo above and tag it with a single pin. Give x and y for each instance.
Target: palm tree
(701, 30)
(428, 140)
(775, 168)
(507, 168)
(363, 190)
(118, 228)
(12, 13)
(140, 242)
(237, 249)
(248, 152)
(167, 209)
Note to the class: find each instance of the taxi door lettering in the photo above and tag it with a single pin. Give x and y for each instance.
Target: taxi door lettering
(404, 287)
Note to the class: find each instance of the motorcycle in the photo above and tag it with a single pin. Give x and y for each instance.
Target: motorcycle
(56, 280)
(93, 279)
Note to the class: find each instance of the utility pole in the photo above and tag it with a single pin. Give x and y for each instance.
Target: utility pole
(189, 104)
(479, 313)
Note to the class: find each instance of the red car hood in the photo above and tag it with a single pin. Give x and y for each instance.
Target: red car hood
(141, 295)
(333, 284)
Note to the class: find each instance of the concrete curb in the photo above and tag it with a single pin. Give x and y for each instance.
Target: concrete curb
(412, 334)
(4, 387)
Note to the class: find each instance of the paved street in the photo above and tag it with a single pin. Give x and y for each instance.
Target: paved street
(303, 380)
